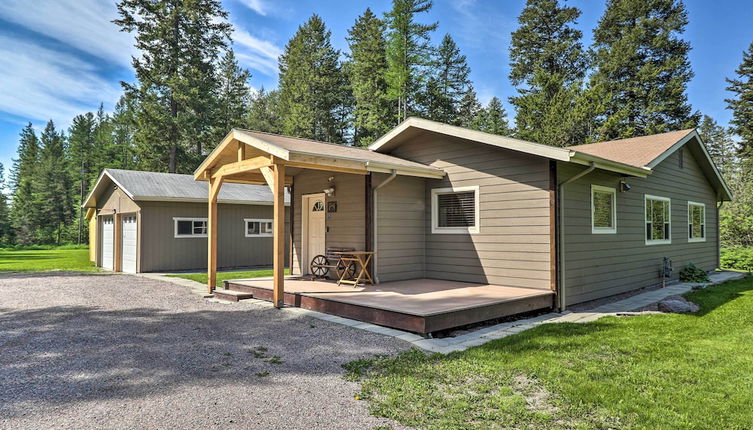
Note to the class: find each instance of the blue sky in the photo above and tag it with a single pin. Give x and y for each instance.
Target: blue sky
(60, 58)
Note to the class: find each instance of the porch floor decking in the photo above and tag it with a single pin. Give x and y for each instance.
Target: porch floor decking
(419, 305)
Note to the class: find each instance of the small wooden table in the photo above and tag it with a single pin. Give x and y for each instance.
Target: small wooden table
(362, 258)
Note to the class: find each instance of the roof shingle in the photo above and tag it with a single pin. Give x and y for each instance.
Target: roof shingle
(635, 151)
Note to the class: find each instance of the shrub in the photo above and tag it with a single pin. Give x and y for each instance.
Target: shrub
(691, 273)
(738, 258)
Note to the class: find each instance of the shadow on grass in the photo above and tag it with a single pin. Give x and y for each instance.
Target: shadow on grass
(715, 296)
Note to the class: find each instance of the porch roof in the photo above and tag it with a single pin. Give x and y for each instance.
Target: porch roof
(307, 153)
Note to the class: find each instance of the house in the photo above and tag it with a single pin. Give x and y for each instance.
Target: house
(468, 226)
(157, 222)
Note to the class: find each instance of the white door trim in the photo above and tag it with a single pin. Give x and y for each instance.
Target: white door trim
(305, 259)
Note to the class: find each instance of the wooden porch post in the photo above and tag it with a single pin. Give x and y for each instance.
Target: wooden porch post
(278, 187)
(214, 190)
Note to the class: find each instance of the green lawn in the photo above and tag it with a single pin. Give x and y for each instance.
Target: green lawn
(644, 372)
(42, 260)
(223, 276)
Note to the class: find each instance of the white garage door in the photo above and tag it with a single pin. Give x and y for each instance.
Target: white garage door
(129, 244)
(108, 242)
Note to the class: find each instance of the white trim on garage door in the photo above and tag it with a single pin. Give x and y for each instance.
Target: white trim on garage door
(108, 242)
(128, 256)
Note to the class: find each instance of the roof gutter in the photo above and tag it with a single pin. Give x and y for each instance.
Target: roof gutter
(606, 164)
(432, 173)
(561, 238)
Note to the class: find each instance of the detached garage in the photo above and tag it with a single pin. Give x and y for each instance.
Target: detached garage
(157, 222)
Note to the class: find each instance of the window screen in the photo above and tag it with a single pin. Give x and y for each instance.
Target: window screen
(658, 223)
(696, 221)
(456, 209)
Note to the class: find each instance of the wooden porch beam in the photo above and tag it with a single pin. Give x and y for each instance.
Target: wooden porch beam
(241, 151)
(251, 178)
(214, 190)
(269, 177)
(242, 166)
(278, 189)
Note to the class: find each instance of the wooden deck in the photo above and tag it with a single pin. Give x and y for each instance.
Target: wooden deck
(419, 305)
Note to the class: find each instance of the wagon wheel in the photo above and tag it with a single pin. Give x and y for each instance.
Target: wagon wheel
(342, 267)
(319, 266)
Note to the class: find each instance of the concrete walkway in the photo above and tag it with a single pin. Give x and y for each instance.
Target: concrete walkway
(486, 334)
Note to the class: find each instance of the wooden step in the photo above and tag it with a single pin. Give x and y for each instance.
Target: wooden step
(238, 287)
(231, 295)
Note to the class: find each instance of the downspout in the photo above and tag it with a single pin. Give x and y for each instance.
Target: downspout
(718, 234)
(561, 241)
(375, 223)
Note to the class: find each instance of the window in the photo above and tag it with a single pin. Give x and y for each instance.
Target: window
(455, 210)
(258, 227)
(318, 206)
(658, 220)
(603, 210)
(696, 222)
(190, 227)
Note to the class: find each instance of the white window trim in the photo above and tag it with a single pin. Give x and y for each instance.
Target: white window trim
(435, 229)
(259, 220)
(187, 236)
(604, 230)
(646, 198)
(697, 239)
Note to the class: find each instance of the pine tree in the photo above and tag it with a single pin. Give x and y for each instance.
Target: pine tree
(642, 68)
(179, 44)
(468, 109)
(366, 71)
(408, 54)
(312, 84)
(448, 84)
(233, 98)
(23, 175)
(720, 145)
(547, 67)
(265, 112)
(741, 105)
(493, 118)
(52, 188)
(6, 231)
(80, 151)
(123, 131)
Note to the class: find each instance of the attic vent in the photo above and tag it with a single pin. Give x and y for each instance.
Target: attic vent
(681, 153)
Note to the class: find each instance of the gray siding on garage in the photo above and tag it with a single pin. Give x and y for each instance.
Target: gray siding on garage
(346, 228)
(161, 251)
(400, 228)
(599, 265)
(513, 245)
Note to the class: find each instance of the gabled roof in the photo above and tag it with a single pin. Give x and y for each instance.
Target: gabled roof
(154, 186)
(648, 151)
(412, 127)
(290, 148)
(636, 151)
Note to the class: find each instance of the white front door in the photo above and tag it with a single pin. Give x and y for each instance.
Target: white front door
(108, 242)
(128, 242)
(315, 228)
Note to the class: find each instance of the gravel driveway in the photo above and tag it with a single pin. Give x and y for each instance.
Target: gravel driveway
(119, 351)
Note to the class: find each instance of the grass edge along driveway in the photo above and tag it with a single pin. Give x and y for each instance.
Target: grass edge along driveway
(66, 258)
(223, 276)
(643, 372)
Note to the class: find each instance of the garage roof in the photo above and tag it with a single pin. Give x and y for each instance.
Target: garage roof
(154, 186)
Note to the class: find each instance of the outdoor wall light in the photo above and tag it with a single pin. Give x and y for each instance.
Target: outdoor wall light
(625, 187)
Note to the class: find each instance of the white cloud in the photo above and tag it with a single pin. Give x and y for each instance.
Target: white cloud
(257, 6)
(83, 24)
(40, 83)
(255, 53)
